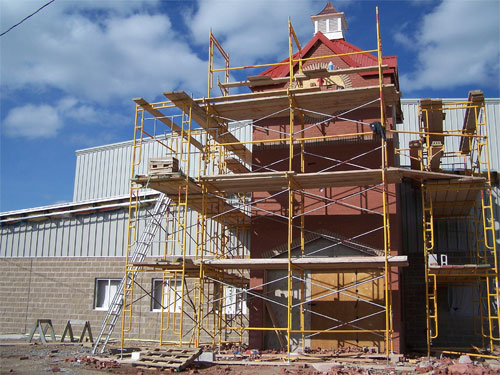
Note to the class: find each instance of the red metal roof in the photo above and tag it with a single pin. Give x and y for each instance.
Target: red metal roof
(328, 9)
(337, 46)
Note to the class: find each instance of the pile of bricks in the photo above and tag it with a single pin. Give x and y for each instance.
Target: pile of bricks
(94, 362)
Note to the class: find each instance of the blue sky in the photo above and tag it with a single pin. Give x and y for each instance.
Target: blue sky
(69, 73)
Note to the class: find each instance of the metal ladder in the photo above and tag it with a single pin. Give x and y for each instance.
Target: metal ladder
(138, 254)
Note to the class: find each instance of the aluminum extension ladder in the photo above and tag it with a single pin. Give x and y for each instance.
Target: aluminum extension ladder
(138, 254)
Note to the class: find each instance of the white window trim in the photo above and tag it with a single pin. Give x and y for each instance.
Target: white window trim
(109, 298)
(234, 301)
(175, 306)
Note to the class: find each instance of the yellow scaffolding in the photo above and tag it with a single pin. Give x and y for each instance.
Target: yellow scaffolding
(469, 201)
(220, 259)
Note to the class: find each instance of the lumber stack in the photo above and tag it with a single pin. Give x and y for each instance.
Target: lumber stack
(178, 359)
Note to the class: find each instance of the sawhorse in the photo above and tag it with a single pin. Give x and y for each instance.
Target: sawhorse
(69, 330)
(42, 325)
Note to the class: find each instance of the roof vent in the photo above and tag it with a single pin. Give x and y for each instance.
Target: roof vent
(330, 22)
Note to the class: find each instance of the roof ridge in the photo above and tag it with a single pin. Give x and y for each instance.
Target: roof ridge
(328, 9)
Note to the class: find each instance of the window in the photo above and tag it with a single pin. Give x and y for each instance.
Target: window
(105, 290)
(234, 301)
(171, 298)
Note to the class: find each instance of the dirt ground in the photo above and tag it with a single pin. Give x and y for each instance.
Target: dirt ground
(21, 358)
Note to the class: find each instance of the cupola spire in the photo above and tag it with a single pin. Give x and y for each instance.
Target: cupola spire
(330, 22)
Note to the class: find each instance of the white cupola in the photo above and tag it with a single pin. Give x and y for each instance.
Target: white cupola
(330, 22)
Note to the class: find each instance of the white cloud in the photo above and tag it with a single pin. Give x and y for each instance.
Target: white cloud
(32, 121)
(97, 51)
(458, 44)
(252, 30)
(47, 120)
(99, 54)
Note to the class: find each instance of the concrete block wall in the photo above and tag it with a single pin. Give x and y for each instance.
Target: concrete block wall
(63, 288)
(52, 288)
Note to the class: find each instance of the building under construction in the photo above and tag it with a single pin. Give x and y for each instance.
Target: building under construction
(302, 213)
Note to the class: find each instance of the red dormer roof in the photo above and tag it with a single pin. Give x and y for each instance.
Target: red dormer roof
(338, 46)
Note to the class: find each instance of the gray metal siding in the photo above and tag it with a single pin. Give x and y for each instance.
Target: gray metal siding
(103, 172)
(97, 234)
(454, 120)
(83, 235)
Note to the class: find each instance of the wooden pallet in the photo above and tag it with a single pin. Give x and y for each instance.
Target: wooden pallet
(179, 359)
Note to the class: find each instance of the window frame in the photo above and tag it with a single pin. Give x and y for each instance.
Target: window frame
(237, 298)
(173, 308)
(108, 289)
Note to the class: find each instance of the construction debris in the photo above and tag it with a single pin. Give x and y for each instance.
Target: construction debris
(76, 359)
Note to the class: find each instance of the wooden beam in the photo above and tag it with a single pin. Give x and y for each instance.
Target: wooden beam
(235, 166)
(164, 119)
(275, 324)
(312, 263)
(433, 117)
(322, 73)
(219, 131)
(262, 94)
(256, 83)
(476, 100)
(267, 81)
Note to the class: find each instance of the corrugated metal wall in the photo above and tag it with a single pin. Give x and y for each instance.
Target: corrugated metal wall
(102, 233)
(454, 120)
(84, 235)
(104, 171)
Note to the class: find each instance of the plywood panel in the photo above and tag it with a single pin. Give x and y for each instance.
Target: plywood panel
(347, 307)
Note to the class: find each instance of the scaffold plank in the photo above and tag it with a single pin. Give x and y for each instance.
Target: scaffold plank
(166, 120)
(216, 207)
(321, 101)
(461, 273)
(312, 263)
(191, 270)
(262, 94)
(219, 131)
(275, 181)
